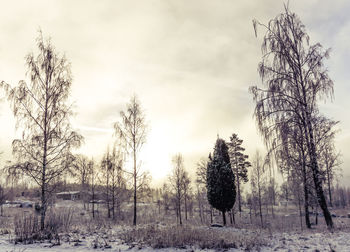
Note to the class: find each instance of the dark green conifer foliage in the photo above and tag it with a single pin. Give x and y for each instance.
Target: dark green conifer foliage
(221, 188)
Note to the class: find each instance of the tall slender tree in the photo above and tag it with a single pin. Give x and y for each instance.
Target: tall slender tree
(257, 182)
(329, 157)
(201, 186)
(177, 181)
(221, 189)
(132, 130)
(94, 178)
(42, 112)
(294, 79)
(239, 163)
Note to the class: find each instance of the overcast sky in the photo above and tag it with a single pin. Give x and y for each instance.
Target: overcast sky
(190, 63)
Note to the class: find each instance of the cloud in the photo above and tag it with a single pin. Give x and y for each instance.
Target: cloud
(190, 63)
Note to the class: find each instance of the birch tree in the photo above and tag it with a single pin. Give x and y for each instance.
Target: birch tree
(294, 79)
(177, 181)
(42, 113)
(132, 129)
(257, 182)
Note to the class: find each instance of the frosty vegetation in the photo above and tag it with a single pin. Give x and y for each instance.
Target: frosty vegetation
(53, 196)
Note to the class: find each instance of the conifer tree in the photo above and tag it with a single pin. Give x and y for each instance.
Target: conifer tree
(239, 164)
(221, 189)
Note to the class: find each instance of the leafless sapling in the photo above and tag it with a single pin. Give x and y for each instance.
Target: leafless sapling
(132, 130)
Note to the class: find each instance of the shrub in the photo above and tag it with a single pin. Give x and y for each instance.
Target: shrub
(27, 226)
(200, 237)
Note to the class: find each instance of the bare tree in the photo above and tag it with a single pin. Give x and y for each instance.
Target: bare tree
(114, 181)
(293, 161)
(106, 167)
(201, 186)
(329, 158)
(82, 169)
(42, 113)
(132, 129)
(165, 197)
(119, 191)
(187, 191)
(94, 178)
(3, 198)
(257, 181)
(295, 79)
(177, 180)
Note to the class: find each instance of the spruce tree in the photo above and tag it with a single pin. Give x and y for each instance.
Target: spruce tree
(221, 190)
(239, 164)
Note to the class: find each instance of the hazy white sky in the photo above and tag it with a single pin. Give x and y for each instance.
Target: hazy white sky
(189, 62)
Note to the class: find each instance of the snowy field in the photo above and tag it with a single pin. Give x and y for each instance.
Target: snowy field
(305, 241)
(86, 234)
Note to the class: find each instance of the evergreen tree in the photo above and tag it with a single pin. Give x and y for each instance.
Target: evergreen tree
(221, 189)
(239, 163)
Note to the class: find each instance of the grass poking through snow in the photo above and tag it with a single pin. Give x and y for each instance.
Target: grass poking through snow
(186, 236)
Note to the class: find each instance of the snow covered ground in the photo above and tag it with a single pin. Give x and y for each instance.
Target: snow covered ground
(87, 235)
(294, 241)
(310, 241)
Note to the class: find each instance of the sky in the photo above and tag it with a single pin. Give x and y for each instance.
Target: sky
(189, 62)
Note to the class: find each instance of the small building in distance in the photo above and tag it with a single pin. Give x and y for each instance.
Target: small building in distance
(82, 195)
(72, 195)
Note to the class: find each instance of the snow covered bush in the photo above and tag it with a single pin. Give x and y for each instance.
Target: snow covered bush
(186, 236)
(27, 226)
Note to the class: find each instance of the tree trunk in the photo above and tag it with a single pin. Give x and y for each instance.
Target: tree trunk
(186, 207)
(260, 209)
(43, 207)
(180, 218)
(43, 190)
(113, 204)
(233, 216)
(223, 218)
(306, 191)
(108, 191)
(93, 193)
(306, 201)
(260, 214)
(272, 211)
(316, 173)
(250, 214)
(237, 183)
(329, 185)
(306, 206)
(320, 195)
(200, 207)
(93, 206)
(300, 212)
(238, 191)
(135, 186)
